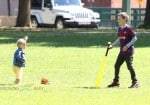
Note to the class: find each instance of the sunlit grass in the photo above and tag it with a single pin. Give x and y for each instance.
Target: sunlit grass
(72, 69)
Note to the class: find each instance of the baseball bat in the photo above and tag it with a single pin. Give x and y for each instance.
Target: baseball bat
(102, 67)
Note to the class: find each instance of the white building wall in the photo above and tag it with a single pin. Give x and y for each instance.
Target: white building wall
(5, 19)
(14, 7)
(3, 8)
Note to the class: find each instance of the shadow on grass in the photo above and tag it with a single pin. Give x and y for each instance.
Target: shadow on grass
(89, 87)
(100, 88)
(3, 84)
(67, 38)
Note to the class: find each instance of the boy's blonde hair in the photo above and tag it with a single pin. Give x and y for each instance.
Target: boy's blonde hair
(124, 15)
(22, 41)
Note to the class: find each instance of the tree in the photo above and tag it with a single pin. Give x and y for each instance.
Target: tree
(23, 18)
(147, 14)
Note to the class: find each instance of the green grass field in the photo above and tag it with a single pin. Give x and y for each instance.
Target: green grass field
(71, 59)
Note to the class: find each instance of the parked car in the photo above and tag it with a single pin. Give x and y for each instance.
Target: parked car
(62, 13)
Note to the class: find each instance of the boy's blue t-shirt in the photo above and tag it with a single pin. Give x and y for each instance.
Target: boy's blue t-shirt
(19, 58)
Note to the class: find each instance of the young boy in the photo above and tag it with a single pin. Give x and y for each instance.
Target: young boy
(19, 59)
(126, 39)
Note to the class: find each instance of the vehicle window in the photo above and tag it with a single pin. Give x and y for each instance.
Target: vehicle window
(47, 3)
(66, 2)
(36, 3)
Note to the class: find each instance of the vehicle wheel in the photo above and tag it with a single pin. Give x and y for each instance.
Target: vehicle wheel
(59, 24)
(34, 22)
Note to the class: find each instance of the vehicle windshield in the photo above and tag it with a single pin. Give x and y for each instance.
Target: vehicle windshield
(66, 2)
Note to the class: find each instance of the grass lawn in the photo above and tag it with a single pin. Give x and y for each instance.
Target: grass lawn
(71, 59)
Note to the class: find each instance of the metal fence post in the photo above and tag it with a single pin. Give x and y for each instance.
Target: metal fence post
(127, 8)
(117, 12)
(135, 18)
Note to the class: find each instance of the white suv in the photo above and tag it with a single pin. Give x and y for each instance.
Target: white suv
(62, 13)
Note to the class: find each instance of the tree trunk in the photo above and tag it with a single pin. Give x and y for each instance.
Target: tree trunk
(147, 14)
(23, 18)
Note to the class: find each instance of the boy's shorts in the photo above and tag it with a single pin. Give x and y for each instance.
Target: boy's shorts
(16, 68)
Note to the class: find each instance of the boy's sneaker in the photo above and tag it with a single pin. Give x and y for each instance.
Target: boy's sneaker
(17, 81)
(134, 85)
(114, 84)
